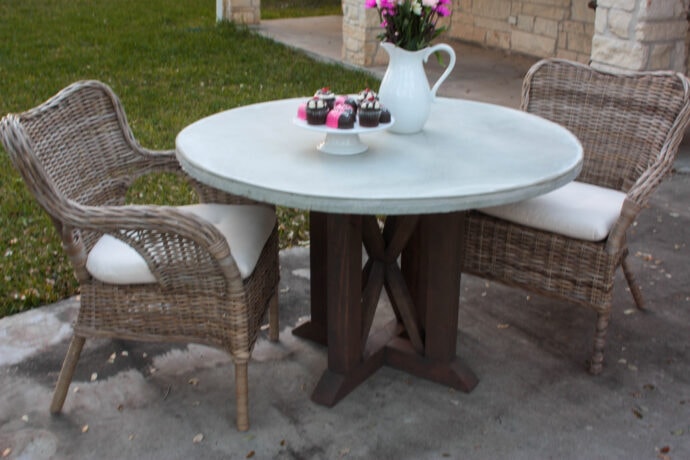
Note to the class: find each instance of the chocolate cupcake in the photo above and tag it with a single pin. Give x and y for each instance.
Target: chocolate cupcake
(317, 110)
(385, 116)
(326, 95)
(366, 94)
(369, 113)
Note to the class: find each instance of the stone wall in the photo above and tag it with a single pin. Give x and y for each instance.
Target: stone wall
(641, 35)
(542, 28)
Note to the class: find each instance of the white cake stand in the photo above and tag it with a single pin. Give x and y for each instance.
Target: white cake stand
(342, 141)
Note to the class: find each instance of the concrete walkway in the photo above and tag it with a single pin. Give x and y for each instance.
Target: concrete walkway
(534, 399)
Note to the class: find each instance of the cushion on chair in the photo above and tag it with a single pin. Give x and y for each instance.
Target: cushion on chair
(246, 227)
(577, 210)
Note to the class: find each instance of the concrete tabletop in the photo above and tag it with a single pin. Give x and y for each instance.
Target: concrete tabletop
(470, 154)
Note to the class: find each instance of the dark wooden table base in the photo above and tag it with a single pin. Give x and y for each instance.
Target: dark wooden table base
(424, 290)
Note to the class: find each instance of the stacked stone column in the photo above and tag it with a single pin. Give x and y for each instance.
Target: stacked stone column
(239, 11)
(640, 35)
(361, 28)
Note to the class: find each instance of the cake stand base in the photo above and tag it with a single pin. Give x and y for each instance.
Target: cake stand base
(342, 144)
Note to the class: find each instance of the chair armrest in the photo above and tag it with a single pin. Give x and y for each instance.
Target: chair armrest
(157, 161)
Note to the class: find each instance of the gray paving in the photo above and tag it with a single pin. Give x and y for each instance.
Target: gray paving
(534, 399)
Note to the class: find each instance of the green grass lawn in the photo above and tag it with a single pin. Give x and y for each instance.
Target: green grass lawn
(171, 64)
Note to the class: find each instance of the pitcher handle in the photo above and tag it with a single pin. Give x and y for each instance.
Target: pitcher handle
(449, 68)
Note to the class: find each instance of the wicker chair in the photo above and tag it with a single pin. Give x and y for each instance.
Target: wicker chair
(204, 273)
(630, 127)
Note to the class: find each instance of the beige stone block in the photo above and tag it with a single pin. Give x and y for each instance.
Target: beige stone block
(662, 9)
(566, 54)
(463, 18)
(462, 5)
(562, 40)
(573, 56)
(497, 9)
(620, 23)
(525, 22)
(493, 24)
(601, 21)
(532, 44)
(660, 57)
(354, 33)
(619, 53)
(573, 26)
(580, 43)
(245, 17)
(625, 5)
(661, 31)
(371, 18)
(547, 27)
(547, 12)
(579, 11)
(496, 39)
(471, 34)
(515, 7)
(680, 57)
(557, 3)
(352, 44)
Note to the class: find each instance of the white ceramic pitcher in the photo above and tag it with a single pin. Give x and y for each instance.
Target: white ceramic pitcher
(405, 88)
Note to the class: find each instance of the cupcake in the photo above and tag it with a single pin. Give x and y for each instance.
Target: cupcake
(351, 102)
(317, 110)
(366, 94)
(326, 95)
(302, 111)
(347, 100)
(341, 117)
(385, 116)
(369, 113)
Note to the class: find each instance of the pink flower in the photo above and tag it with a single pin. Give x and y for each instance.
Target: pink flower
(442, 10)
(370, 4)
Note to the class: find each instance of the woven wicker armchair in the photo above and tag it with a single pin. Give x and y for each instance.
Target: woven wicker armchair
(204, 273)
(630, 127)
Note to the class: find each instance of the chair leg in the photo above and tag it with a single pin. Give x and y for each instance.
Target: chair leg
(273, 331)
(596, 365)
(66, 373)
(242, 396)
(632, 282)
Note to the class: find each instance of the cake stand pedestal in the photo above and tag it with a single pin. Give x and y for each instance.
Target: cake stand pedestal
(342, 141)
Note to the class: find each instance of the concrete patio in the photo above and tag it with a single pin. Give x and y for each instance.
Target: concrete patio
(534, 399)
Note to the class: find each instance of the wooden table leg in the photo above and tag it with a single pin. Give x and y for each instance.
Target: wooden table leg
(316, 328)
(348, 364)
(431, 264)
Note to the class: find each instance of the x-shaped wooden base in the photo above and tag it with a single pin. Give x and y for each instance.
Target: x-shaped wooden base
(424, 290)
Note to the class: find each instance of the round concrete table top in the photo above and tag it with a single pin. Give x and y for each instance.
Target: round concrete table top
(469, 155)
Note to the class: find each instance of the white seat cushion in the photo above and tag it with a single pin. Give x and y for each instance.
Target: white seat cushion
(246, 227)
(577, 210)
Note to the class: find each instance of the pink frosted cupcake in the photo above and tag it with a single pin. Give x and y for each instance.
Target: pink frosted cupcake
(341, 117)
(302, 111)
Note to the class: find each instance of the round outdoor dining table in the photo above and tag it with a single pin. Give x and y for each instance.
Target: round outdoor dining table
(469, 155)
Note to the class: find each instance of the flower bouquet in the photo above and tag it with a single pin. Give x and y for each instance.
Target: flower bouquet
(410, 24)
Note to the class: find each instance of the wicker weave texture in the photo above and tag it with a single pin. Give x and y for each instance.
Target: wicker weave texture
(79, 157)
(630, 127)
